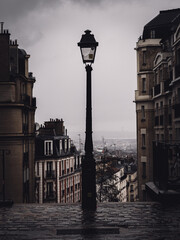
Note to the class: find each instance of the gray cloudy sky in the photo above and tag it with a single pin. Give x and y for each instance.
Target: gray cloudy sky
(49, 31)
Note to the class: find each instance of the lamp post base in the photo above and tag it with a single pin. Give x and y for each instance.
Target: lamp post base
(88, 184)
(6, 203)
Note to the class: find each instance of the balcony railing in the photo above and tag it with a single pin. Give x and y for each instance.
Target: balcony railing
(166, 165)
(50, 174)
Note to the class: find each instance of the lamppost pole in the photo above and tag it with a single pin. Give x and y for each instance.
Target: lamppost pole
(88, 46)
(3, 168)
(88, 140)
(88, 162)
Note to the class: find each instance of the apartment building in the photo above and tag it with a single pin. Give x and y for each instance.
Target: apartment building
(158, 102)
(57, 165)
(17, 135)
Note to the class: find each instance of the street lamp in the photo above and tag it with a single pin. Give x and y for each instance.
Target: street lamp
(88, 46)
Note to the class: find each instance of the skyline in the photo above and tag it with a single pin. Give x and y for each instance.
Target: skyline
(50, 31)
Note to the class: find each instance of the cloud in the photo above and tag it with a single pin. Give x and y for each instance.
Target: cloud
(17, 9)
(49, 31)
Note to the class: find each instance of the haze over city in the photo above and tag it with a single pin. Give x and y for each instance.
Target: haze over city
(50, 30)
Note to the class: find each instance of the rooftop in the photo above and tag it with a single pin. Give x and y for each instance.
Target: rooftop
(164, 17)
(162, 24)
(152, 221)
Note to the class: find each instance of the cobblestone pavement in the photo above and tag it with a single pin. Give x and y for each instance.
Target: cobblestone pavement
(111, 221)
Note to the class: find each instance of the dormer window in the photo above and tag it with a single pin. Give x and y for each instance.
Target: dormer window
(48, 147)
(65, 145)
(153, 34)
(60, 146)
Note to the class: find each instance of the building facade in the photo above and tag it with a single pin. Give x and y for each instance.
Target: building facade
(157, 97)
(132, 183)
(17, 135)
(57, 165)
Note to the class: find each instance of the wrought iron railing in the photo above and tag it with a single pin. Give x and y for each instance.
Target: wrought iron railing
(166, 164)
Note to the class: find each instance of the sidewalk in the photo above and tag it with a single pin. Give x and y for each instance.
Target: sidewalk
(111, 221)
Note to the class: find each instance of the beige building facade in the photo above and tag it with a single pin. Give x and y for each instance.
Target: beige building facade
(158, 92)
(17, 109)
(57, 165)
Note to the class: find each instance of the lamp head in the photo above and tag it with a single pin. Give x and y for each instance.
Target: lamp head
(88, 46)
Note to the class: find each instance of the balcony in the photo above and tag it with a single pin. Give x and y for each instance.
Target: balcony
(50, 174)
(166, 172)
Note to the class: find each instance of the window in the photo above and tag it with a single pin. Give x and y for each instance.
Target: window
(152, 34)
(144, 57)
(143, 85)
(157, 137)
(170, 102)
(67, 166)
(157, 121)
(48, 148)
(144, 170)
(49, 188)
(65, 145)
(131, 188)
(60, 147)
(162, 137)
(161, 104)
(50, 173)
(156, 78)
(143, 140)
(69, 143)
(157, 107)
(143, 113)
(161, 120)
(177, 66)
(49, 166)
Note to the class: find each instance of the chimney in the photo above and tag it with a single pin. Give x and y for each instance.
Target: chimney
(2, 23)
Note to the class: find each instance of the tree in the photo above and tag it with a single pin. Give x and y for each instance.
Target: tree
(107, 190)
